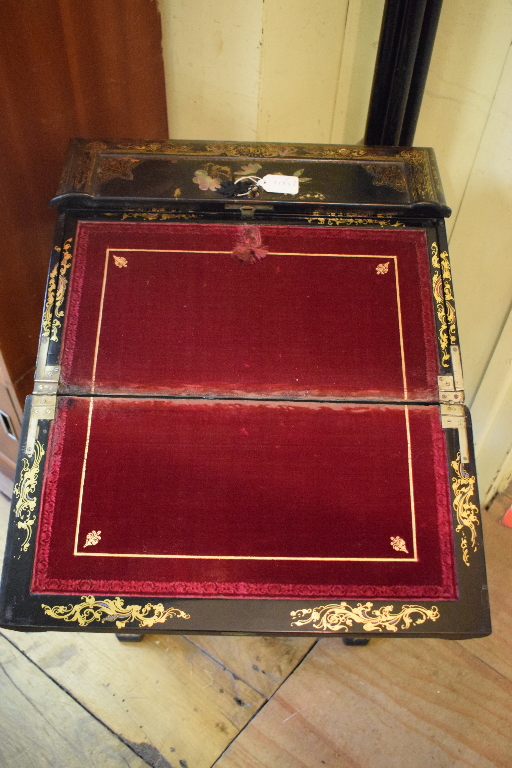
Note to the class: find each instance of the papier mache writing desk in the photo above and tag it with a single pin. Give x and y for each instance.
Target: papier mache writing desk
(248, 414)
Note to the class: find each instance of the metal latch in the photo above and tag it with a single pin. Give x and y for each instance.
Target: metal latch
(47, 376)
(43, 407)
(247, 211)
(453, 417)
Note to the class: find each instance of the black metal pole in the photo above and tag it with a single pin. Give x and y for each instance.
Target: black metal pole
(419, 75)
(396, 58)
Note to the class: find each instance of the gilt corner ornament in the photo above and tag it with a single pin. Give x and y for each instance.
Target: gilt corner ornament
(113, 610)
(463, 485)
(24, 490)
(92, 538)
(399, 544)
(336, 617)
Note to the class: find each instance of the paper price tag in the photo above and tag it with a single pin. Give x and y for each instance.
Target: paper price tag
(275, 182)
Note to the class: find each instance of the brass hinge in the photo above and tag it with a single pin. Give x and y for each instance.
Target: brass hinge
(47, 376)
(458, 379)
(453, 417)
(451, 388)
(43, 407)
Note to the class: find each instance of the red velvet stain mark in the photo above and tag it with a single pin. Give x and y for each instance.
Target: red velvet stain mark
(249, 249)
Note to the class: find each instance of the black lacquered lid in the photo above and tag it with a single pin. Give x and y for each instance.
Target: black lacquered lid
(363, 181)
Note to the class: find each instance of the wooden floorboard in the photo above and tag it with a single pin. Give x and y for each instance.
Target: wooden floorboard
(161, 692)
(174, 699)
(263, 662)
(496, 650)
(397, 702)
(42, 727)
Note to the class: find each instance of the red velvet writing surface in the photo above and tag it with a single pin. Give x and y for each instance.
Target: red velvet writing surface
(245, 498)
(328, 313)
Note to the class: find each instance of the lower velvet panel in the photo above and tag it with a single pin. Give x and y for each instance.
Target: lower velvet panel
(202, 498)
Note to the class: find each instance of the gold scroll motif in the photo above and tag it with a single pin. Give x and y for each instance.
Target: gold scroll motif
(398, 544)
(448, 297)
(441, 308)
(341, 616)
(83, 165)
(311, 196)
(91, 609)
(61, 288)
(232, 149)
(117, 168)
(157, 214)
(50, 298)
(24, 490)
(463, 486)
(382, 269)
(352, 222)
(92, 538)
(120, 261)
(387, 176)
(421, 172)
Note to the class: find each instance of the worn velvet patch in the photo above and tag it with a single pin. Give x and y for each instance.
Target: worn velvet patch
(165, 309)
(241, 498)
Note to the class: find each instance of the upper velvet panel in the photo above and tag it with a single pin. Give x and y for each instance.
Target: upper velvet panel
(227, 310)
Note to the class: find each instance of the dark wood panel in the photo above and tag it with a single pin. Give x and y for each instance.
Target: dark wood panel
(87, 69)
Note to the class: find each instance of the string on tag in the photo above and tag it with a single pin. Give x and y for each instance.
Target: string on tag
(249, 248)
(245, 186)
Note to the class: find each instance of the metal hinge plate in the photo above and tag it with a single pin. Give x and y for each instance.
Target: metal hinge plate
(458, 378)
(451, 388)
(454, 417)
(43, 407)
(47, 376)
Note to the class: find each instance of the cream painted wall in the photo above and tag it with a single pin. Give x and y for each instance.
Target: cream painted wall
(467, 117)
(301, 70)
(212, 58)
(279, 70)
(471, 46)
(300, 65)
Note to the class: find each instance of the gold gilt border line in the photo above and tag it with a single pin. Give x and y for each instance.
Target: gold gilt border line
(414, 557)
(338, 617)
(90, 553)
(113, 610)
(270, 253)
